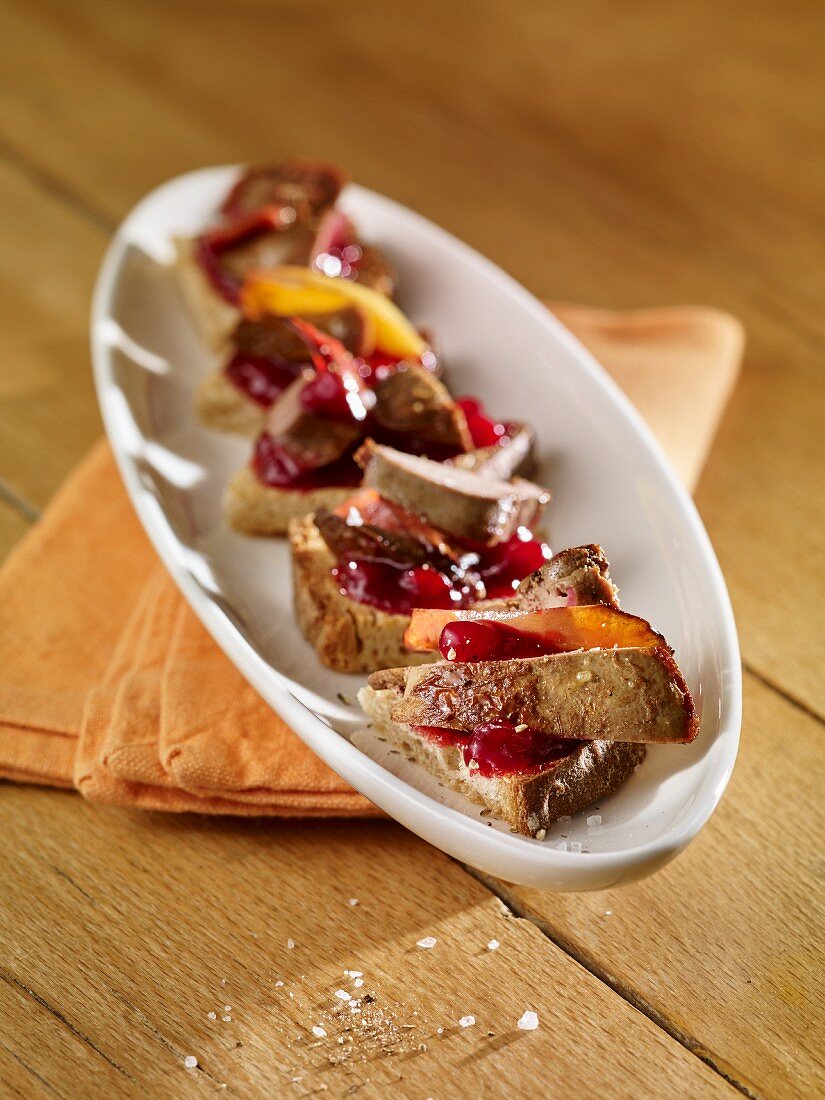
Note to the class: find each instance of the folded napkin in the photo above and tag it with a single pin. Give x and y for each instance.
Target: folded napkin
(111, 685)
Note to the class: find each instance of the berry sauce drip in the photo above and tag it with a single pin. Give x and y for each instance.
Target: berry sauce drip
(502, 748)
(488, 640)
(260, 377)
(276, 466)
(393, 588)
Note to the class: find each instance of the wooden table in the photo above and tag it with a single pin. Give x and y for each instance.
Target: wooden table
(616, 155)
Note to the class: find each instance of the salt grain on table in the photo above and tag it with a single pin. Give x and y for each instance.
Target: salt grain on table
(467, 1021)
(528, 1022)
(493, 945)
(319, 1032)
(190, 1061)
(427, 942)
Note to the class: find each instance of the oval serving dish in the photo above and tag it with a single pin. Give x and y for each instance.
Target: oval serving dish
(611, 485)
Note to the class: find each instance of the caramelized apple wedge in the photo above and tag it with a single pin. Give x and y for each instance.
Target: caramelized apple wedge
(560, 629)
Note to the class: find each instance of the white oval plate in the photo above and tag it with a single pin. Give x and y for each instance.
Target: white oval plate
(612, 485)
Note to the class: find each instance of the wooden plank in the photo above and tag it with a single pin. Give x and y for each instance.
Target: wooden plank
(649, 195)
(48, 411)
(725, 942)
(186, 916)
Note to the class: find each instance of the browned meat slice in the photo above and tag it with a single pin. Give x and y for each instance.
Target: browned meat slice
(374, 270)
(634, 695)
(266, 250)
(503, 461)
(411, 400)
(273, 337)
(308, 187)
(311, 440)
(345, 325)
(347, 540)
(460, 502)
(577, 576)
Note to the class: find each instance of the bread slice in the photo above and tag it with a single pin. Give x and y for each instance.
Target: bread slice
(220, 405)
(528, 803)
(253, 508)
(348, 636)
(214, 316)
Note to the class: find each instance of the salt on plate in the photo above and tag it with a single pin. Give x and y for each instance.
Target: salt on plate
(211, 1015)
(427, 942)
(190, 1061)
(358, 982)
(528, 1022)
(342, 995)
(318, 1032)
(467, 1021)
(594, 821)
(493, 945)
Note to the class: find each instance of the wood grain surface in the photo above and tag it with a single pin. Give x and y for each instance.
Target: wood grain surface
(621, 157)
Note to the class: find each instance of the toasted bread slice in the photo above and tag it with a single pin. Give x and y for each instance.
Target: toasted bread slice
(219, 404)
(634, 694)
(528, 803)
(348, 636)
(257, 509)
(214, 316)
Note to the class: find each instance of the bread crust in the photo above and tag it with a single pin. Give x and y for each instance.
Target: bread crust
(528, 803)
(215, 318)
(253, 508)
(220, 405)
(348, 636)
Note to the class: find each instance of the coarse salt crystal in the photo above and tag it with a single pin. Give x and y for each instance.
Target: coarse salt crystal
(451, 654)
(278, 984)
(521, 727)
(608, 912)
(439, 1031)
(353, 902)
(290, 944)
(319, 1032)
(427, 941)
(575, 846)
(467, 1021)
(227, 1019)
(190, 1061)
(541, 834)
(594, 820)
(211, 1015)
(528, 1022)
(358, 983)
(342, 995)
(493, 945)
(227, 1008)
(355, 973)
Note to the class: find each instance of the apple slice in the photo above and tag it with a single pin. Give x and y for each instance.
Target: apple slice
(291, 290)
(562, 628)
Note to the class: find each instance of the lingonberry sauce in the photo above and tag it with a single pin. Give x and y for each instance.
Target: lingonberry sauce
(260, 377)
(275, 466)
(489, 640)
(502, 567)
(392, 587)
(502, 748)
(485, 431)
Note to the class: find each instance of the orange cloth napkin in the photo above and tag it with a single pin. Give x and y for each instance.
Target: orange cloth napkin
(110, 684)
